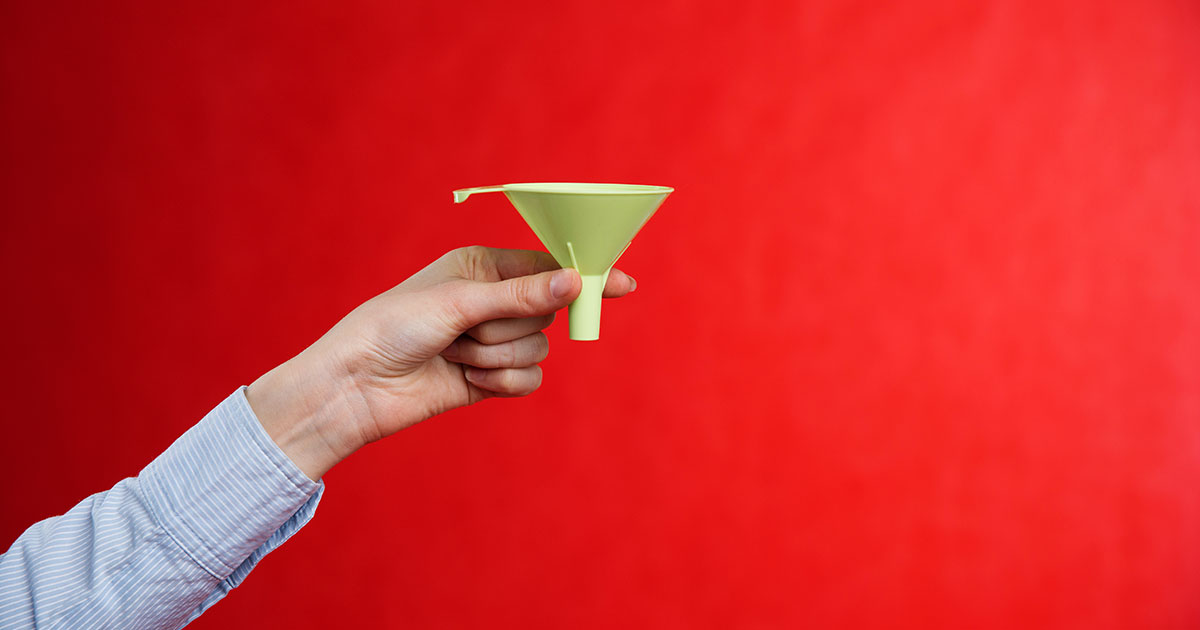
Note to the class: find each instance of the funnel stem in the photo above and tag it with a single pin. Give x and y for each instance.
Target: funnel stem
(584, 313)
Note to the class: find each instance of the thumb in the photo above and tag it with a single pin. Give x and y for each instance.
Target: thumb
(524, 296)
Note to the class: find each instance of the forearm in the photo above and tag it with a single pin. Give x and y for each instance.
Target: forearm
(105, 562)
(156, 550)
(308, 409)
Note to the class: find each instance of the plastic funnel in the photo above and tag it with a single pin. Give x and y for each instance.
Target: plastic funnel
(586, 227)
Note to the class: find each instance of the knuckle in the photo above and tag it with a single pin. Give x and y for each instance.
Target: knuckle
(468, 352)
(484, 334)
(523, 294)
(506, 354)
(507, 380)
(457, 256)
(472, 260)
(473, 252)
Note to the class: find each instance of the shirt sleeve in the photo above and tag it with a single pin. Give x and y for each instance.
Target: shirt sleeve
(157, 550)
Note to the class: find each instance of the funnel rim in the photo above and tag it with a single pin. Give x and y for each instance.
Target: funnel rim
(587, 188)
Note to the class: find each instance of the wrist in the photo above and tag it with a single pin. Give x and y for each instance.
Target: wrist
(307, 413)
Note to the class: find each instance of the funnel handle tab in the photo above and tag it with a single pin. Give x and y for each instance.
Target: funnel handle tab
(461, 194)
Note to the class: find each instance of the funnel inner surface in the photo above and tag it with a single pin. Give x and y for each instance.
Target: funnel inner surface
(571, 188)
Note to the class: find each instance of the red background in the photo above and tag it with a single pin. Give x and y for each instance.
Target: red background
(916, 342)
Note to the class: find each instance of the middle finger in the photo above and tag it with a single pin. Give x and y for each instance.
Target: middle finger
(526, 351)
(501, 330)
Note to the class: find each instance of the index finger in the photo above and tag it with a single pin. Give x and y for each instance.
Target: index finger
(619, 284)
(513, 263)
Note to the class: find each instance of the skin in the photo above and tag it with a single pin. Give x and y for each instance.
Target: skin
(466, 328)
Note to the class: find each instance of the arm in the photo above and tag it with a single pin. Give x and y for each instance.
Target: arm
(466, 328)
(157, 550)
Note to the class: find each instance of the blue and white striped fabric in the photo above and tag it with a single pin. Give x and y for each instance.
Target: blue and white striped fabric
(157, 550)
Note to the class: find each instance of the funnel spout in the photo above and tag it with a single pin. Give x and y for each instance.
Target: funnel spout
(583, 314)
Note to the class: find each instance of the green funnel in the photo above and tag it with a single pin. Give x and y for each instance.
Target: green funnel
(586, 227)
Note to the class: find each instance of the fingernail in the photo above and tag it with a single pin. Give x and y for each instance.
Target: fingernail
(468, 374)
(632, 284)
(560, 283)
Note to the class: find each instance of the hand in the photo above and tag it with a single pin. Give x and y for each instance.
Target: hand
(465, 328)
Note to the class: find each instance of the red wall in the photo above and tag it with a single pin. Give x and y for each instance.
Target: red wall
(916, 342)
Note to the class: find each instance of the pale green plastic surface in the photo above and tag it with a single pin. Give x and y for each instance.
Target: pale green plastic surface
(584, 226)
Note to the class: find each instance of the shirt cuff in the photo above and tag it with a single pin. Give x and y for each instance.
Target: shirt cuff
(226, 493)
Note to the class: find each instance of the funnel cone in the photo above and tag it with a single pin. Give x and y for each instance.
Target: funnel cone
(586, 227)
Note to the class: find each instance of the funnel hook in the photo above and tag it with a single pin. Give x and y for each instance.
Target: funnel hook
(461, 194)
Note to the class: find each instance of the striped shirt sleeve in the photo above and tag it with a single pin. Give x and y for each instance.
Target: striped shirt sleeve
(158, 549)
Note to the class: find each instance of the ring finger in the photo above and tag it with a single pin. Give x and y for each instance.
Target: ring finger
(506, 381)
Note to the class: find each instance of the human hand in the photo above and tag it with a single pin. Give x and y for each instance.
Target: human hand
(466, 328)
